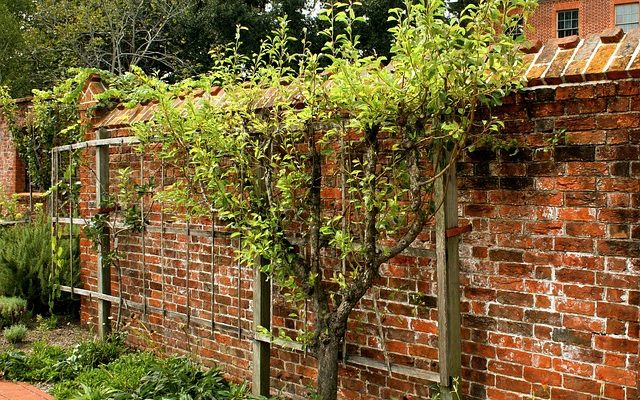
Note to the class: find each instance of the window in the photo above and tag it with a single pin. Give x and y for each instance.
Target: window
(516, 30)
(567, 23)
(627, 16)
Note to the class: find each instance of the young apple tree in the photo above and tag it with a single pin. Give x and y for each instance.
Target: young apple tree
(280, 128)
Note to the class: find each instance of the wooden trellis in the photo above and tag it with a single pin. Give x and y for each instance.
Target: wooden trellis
(447, 275)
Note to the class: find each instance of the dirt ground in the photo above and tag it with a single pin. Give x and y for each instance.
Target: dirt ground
(67, 334)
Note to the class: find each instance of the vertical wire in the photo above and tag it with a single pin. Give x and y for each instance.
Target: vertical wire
(143, 238)
(188, 271)
(213, 269)
(55, 199)
(343, 259)
(51, 212)
(162, 250)
(188, 280)
(71, 199)
(239, 261)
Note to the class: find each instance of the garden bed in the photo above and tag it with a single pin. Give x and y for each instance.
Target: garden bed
(65, 361)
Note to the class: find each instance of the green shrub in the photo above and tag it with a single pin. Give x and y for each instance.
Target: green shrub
(9, 207)
(26, 266)
(37, 366)
(12, 310)
(101, 370)
(15, 333)
(123, 375)
(46, 323)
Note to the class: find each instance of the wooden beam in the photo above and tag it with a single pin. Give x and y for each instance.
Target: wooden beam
(104, 247)
(449, 344)
(261, 319)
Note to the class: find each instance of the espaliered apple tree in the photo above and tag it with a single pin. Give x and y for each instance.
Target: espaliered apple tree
(281, 128)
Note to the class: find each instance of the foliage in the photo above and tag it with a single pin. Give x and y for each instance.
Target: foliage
(104, 370)
(123, 374)
(54, 364)
(9, 207)
(290, 121)
(12, 309)
(26, 268)
(15, 333)
(13, 68)
(34, 366)
(46, 323)
(89, 355)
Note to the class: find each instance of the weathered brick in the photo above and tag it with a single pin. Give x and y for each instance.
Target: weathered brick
(575, 153)
(568, 336)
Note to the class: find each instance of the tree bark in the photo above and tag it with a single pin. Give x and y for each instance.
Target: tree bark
(327, 354)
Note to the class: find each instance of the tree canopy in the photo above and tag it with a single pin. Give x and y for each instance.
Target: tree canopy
(171, 38)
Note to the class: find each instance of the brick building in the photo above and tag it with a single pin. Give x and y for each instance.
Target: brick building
(561, 18)
(13, 174)
(550, 274)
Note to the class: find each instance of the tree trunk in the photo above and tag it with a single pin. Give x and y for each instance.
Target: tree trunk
(327, 354)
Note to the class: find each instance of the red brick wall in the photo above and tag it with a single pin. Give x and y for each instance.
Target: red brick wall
(594, 16)
(12, 172)
(550, 274)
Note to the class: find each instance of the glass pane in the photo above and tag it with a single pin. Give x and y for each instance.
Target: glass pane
(627, 13)
(567, 23)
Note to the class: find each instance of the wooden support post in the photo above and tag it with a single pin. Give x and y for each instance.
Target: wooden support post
(448, 284)
(104, 267)
(261, 318)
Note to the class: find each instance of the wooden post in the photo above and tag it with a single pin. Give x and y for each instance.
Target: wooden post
(104, 268)
(261, 318)
(448, 283)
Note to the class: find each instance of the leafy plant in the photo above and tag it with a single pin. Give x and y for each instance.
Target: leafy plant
(12, 309)
(35, 366)
(15, 333)
(46, 323)
(26, 266)
(9, 207)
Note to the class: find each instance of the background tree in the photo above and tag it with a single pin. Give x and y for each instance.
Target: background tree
(44, 38)
(457, 6)
(14, 70)
(290, 122)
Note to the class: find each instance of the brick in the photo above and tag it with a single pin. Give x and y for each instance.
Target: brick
(625, 248)
(617, 311)
(618, 345)
(616, 375)
(568, 336)
(572, 367)
(515, 298)
(515, 328)
(582, 323)
(513, 385)
(575, 153)
(505, 255)
(542, 317)
(542, 376)
(575, 275)
(582, 385)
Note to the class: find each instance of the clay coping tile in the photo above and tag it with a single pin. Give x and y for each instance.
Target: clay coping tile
(607, 54)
